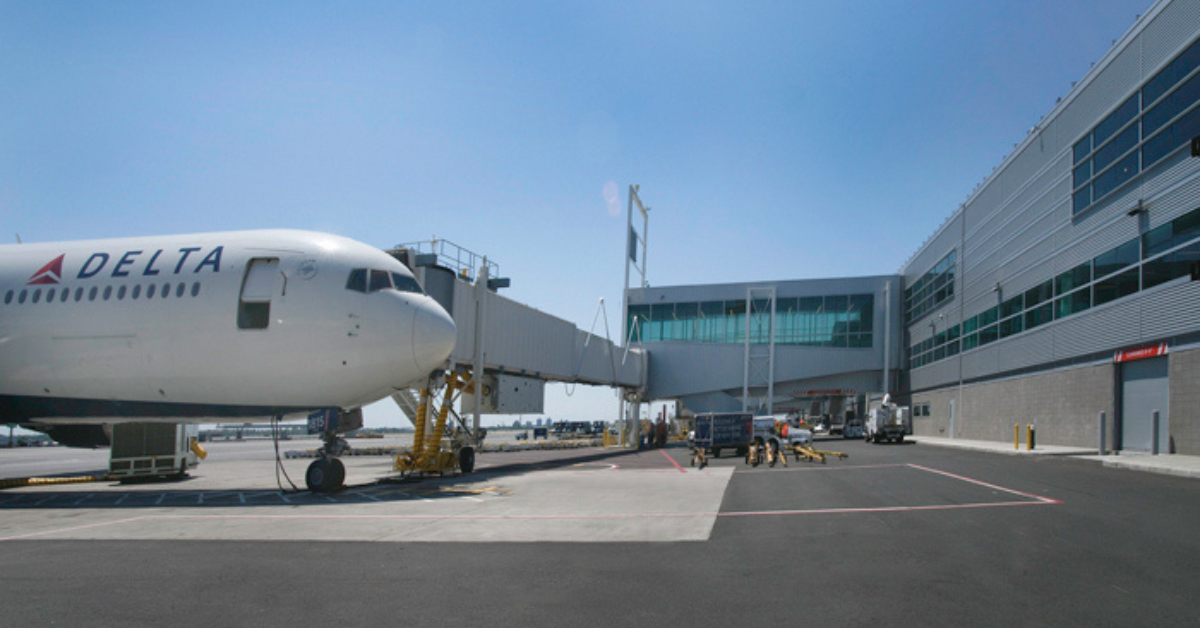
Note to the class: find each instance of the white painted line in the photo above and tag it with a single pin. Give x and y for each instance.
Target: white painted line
(74, 529)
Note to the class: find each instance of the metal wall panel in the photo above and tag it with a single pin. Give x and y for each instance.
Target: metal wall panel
(936, 374)
(527, 339)
(1117, 231)
(1174, 190)
(980, 362)
(1102, 92)
(1170, 310)
(1168, 33)
(521, 339)
(1098, 329)
(1028, 349)
(684, 368)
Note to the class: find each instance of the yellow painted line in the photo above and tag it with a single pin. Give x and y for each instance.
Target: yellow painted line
(19, 482)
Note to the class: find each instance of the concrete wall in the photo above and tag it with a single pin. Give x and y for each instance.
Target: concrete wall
(1062, 405)
(1184, 400)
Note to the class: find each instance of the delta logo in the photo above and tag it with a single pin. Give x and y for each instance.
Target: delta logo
(50, 274)
(144, 263)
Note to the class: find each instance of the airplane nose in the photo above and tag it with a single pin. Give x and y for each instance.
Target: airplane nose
(434, 336)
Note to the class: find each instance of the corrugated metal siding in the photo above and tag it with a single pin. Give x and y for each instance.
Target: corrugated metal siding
(1098, 329)
(1021, 229)
(1182, 180)
(980, 362)
(682, 369)
(1105, 93)
(1026, 350)
(1167, 34)
(936, 374)
(1115, 233)
(531, 340)
(1170, 310)
(464, 320)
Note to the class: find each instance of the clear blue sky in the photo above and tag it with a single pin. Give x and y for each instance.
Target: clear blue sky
(773, 139)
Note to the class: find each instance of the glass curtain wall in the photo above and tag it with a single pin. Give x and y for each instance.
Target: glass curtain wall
(829, 321)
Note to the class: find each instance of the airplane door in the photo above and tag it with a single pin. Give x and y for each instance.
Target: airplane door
(254, 304)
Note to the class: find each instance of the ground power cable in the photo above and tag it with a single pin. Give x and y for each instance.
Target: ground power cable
(279, 461)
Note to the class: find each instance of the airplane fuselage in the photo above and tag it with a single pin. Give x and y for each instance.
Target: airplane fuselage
(239, 325)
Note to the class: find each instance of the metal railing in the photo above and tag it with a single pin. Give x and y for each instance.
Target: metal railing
(462, 261)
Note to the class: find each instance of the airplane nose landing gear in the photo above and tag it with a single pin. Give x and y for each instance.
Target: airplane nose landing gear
(327, 473)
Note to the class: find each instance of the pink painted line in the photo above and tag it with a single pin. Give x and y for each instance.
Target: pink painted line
(664, 453)
(1048, 500)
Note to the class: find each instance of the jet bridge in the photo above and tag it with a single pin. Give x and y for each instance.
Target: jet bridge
(517, 348)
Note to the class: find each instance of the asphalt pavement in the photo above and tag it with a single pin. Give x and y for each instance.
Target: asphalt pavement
(895, 535)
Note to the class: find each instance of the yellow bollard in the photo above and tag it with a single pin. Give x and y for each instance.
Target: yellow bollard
(1017, 437)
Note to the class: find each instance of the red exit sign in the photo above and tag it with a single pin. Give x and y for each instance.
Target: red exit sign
(1129, 355)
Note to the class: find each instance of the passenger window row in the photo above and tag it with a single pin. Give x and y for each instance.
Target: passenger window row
(62, 295)
(371, 280)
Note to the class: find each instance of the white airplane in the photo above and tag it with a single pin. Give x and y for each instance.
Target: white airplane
(240, 326)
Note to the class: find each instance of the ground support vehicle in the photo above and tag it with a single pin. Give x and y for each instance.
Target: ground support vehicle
(853, 429)
(143, 450)
(717, 431)
(770, 445)
(808, 453)
(886, 424)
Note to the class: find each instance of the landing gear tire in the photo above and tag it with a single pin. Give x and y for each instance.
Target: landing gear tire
(325, 475)
(466, 460)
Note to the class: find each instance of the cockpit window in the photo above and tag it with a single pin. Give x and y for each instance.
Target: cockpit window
(357, 280)
(380, 280)
(372, 280)
(406, 284)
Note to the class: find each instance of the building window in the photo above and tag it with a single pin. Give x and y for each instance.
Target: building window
(1124, 143)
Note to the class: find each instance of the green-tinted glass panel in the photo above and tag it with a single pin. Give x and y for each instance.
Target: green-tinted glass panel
(1118, 258)
(1039, 294)
(1011, 326)
(1081, 275)
(1157, 240)
(1075, 302)
(1039, 315)
(1168, 267)
(1115, 287)
(989, 316)
(1012, 306)
(1186, 227)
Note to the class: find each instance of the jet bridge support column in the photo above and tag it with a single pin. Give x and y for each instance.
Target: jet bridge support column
(481, 289)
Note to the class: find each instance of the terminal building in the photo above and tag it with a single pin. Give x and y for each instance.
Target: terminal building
(1063, 289)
